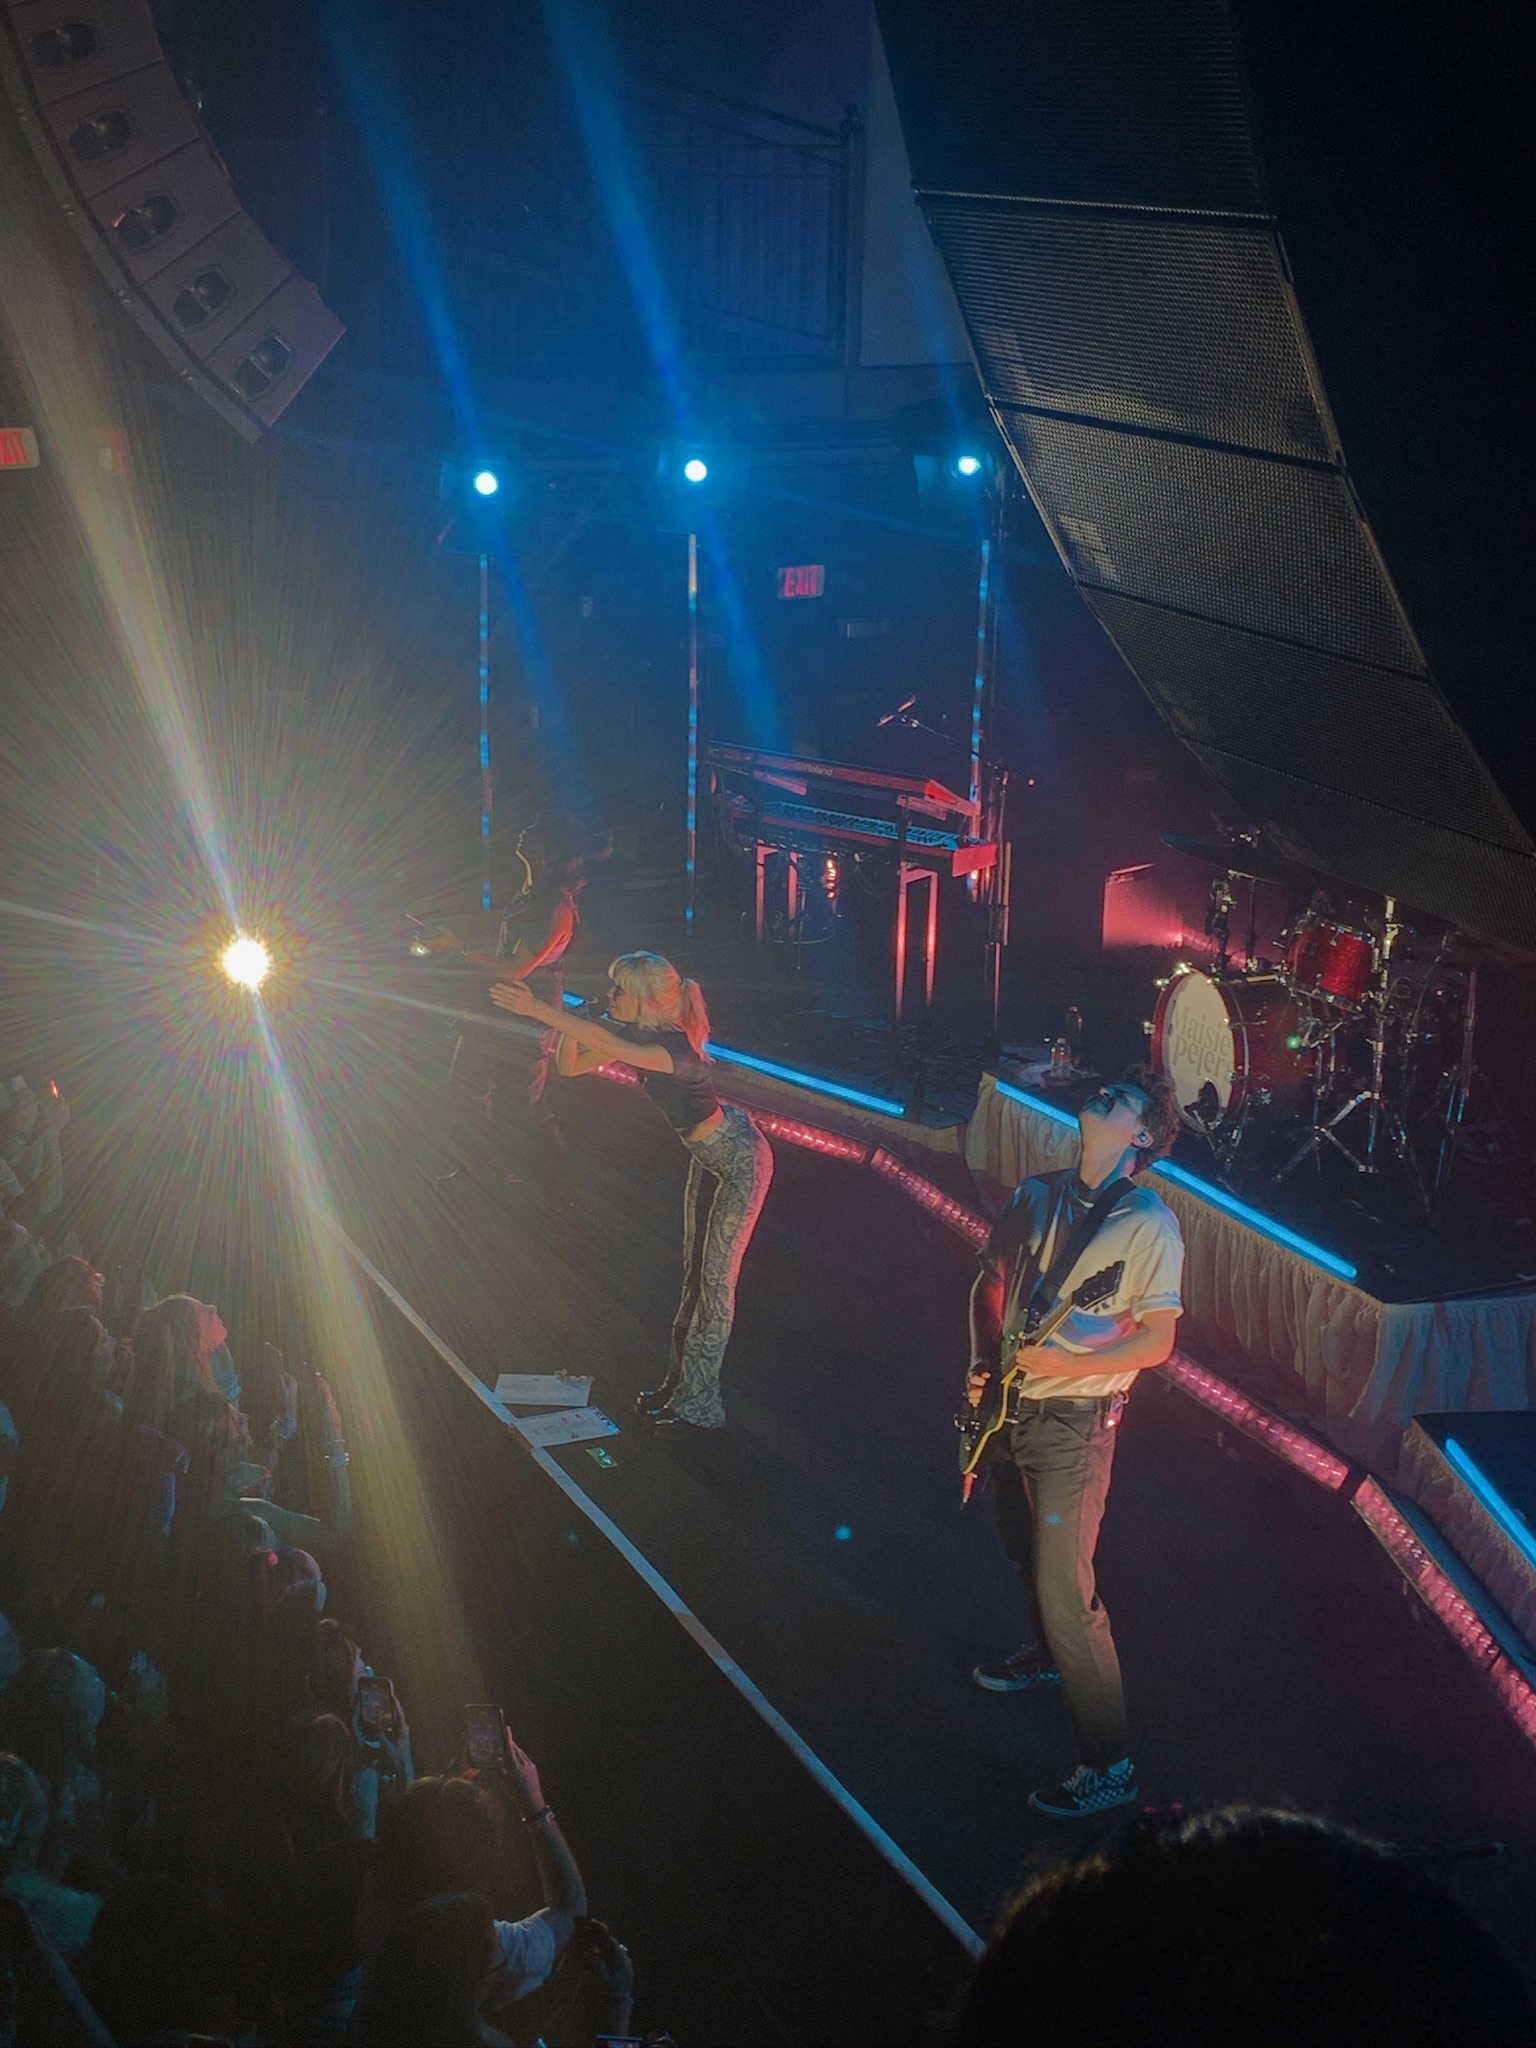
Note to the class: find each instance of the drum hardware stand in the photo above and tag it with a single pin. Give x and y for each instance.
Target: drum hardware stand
(1461, 1082)
(1380, 1117)
(1218, 921)
(1462, 1077)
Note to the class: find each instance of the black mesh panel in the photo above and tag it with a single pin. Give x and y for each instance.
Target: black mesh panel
(1486, 888)
(1185, 326)
(1383, 736)
(1258, 543)
(1129, 100)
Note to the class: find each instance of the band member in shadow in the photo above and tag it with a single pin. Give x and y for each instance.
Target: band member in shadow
(1050, 1472)
(537, 928)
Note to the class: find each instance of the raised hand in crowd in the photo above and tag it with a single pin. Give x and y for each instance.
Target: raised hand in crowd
(595, 1990)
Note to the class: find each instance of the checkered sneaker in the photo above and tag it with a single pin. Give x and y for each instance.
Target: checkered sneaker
(1023, 1671)
(1088, 1792)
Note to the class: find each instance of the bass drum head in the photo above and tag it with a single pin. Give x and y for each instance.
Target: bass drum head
(1195, 1048)
(1229, 1048)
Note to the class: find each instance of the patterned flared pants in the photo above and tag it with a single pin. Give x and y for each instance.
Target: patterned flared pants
(728, 1177)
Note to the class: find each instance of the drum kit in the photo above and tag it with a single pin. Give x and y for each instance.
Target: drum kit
(1358, 1041)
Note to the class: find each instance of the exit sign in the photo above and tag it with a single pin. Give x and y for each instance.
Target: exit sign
(806, 579)
(18, 448)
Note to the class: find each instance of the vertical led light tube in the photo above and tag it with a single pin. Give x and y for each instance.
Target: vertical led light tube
(691, 856)
(485, 732)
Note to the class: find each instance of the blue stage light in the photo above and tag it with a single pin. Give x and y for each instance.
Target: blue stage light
(695, 469)
(487, 483)
(968, 465)
(815, 1082)
(1509, 1518)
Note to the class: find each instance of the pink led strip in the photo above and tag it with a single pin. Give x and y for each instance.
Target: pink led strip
(811, 1137)
(960, 1219)
(1298, 1449)
(1450, 1608)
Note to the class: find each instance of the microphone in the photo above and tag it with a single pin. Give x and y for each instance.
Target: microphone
(900, 711)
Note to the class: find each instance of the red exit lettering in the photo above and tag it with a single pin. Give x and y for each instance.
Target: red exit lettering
(805, 579)
(18, 448)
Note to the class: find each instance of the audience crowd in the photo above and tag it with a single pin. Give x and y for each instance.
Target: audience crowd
(211, 1826)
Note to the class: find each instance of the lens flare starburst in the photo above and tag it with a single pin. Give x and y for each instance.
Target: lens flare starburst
(246, 961)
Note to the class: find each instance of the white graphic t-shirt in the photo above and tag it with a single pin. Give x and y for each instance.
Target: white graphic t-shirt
(1142, 1235)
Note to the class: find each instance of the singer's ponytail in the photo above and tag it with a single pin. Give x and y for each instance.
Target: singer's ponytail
(694, 1016)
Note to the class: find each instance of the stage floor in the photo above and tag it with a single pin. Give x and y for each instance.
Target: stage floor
(1270, 1649)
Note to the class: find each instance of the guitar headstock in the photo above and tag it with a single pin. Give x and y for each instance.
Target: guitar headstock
(1099, 1287)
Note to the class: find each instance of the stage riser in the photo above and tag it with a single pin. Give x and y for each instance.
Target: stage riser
(1502, 1447)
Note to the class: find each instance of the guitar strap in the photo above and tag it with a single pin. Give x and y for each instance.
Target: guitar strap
(1082, 1234)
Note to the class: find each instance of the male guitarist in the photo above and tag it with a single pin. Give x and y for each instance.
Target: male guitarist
(1051, 1468)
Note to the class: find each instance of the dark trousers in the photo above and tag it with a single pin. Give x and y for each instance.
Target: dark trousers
(1050, 1482)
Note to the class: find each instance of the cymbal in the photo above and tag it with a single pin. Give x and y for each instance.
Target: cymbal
(1239, 858)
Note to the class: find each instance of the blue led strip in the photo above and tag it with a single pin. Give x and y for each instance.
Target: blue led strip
(1217, 1197)
(1045, 1109)
(979, 686)
(811, 1081)
(1220, 1199)
(1509, 1520)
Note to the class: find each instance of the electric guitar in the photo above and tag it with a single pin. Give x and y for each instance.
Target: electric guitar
(977, 1426)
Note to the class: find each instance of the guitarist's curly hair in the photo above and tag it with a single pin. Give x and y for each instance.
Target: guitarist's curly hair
(1162, 1118)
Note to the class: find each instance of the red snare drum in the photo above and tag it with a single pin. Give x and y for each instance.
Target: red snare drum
(1229, 1048)
(1329, 960)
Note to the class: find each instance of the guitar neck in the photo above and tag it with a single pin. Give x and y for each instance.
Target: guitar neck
(1032, 1340)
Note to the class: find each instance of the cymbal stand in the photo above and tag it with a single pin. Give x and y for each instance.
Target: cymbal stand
(1218, 922)
(1462, 1076)
(1381, 1117)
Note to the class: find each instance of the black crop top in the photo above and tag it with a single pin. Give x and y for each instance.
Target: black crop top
(687, 1095)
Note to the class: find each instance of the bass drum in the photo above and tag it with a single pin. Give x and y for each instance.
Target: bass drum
(1230, 1048)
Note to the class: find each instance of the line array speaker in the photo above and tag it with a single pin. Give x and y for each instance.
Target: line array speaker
(1089, 176)
(125, 156)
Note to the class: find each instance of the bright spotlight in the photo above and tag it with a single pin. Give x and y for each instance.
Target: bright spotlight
(245, 961)
(487, 483)
(695, 469)
(969, 465)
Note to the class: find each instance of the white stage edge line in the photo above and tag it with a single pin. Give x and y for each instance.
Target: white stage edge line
(673, 1601)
